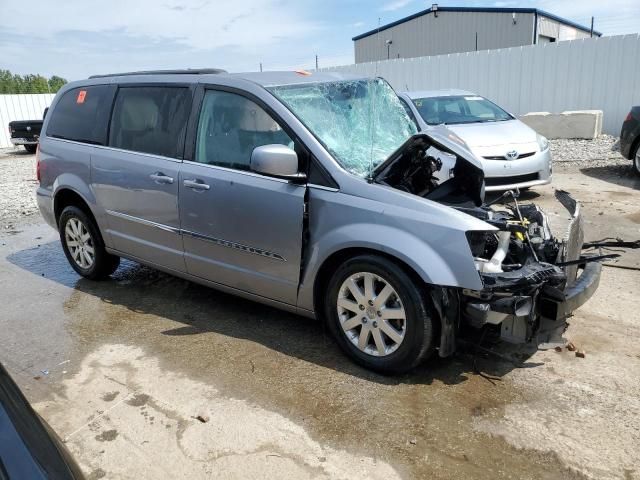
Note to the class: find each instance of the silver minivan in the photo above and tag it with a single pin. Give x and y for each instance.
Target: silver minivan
(311, 192)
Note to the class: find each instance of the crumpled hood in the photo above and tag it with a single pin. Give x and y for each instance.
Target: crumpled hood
(490, 134)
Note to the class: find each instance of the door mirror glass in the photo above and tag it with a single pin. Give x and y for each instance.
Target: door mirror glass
(276, 160)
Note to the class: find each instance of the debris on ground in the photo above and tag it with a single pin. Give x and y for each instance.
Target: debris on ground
(580, 353)
(202, 418)
(571, 347)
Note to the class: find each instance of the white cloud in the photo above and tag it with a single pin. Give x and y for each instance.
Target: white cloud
(395, 5)
(197, 24)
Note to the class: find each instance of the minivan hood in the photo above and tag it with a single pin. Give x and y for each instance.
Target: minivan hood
(465, 179)
(491, 134)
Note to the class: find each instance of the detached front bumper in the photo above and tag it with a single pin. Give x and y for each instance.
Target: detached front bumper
(575, 296)
(541, 313)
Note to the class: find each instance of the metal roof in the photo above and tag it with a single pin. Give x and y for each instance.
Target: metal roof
(537, 11)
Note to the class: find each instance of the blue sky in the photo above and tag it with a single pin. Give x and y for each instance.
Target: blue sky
(77, 38)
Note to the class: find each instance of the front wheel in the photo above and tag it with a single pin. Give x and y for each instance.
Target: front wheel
(378, 314)
(636, 160)
(83, 245)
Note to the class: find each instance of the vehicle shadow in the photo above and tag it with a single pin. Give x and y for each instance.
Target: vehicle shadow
(199, 309)
(623, 175)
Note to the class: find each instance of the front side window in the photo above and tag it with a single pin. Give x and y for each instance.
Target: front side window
(458, 109)
(230, 127)
(360, 122)
(150, 120)
(82, 115)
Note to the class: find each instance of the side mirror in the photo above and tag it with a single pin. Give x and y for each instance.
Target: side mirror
(277, 161)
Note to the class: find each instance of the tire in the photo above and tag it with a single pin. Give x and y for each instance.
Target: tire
(635, 158)
(414, 332)
(79, 235)
(30, 148)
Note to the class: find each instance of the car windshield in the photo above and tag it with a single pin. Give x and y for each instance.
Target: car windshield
(457, 109)
(360, 122)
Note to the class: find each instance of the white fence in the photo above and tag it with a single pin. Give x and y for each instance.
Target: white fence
(590, 74)
(20, 107)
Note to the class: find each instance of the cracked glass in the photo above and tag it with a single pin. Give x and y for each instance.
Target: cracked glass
(360, 122)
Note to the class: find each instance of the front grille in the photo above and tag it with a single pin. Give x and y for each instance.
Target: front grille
(503, 157)
(496, 181)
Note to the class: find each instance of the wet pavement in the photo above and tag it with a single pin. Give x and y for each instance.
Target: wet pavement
(122, 369)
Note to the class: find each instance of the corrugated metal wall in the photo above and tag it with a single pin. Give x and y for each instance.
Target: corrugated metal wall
(450, 32)
(561, 32)
(20, 107)
(594, 73)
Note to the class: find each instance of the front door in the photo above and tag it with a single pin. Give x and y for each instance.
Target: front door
(135, 179)
(240, 229)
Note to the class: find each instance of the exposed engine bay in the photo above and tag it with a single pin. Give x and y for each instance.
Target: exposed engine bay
(418, 167)
(530, 277)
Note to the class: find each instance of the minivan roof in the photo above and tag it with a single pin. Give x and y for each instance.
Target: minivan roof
(265, 79)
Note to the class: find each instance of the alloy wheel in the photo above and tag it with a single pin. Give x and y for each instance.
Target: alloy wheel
(371, 314)
(79, 243)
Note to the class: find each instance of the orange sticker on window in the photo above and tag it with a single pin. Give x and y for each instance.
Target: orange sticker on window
(81, 95)
(304, 73)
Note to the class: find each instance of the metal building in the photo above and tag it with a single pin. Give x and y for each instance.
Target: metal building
(442, 30)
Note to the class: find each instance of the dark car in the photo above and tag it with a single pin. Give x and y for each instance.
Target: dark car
(630, 138)
(26, 133)
(28, 446)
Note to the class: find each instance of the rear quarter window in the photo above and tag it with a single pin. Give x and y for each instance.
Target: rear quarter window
(82, 115)
(150, 119)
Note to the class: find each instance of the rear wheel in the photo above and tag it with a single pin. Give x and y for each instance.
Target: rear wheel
(83, 245)
(636, 159)
(379, 315)
(30, 148)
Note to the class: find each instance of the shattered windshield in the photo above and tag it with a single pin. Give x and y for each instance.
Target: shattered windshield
(360, 122)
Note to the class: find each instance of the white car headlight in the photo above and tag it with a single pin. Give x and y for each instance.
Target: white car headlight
(543, 143)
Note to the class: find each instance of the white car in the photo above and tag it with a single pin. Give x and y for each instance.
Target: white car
(512, 154)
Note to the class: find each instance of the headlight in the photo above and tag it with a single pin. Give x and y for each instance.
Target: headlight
(543, 143)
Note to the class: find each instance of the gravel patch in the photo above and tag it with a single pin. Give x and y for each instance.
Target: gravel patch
(601, 152)
(18, 170)
(17, 185)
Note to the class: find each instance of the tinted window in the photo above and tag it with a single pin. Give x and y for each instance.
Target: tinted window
(150, 120)
(230, 127)
(459, 109)
(82, 115)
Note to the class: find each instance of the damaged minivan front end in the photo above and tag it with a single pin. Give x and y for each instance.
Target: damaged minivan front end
(532, 280)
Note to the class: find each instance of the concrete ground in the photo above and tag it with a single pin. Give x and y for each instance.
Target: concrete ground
(149, 376)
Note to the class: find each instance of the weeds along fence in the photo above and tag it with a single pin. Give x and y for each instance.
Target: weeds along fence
(595, 73)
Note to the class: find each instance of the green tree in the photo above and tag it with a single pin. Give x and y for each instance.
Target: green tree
(56, 83)
(30, 83)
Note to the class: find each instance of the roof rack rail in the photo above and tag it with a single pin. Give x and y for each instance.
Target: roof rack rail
(188, 71)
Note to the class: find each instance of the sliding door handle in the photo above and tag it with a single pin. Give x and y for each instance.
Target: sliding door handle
(160, 177)
(196, 184)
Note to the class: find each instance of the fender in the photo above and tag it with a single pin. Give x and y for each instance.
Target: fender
(455, 270)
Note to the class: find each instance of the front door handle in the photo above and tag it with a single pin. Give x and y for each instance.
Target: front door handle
(160, 177)
(196, 184)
